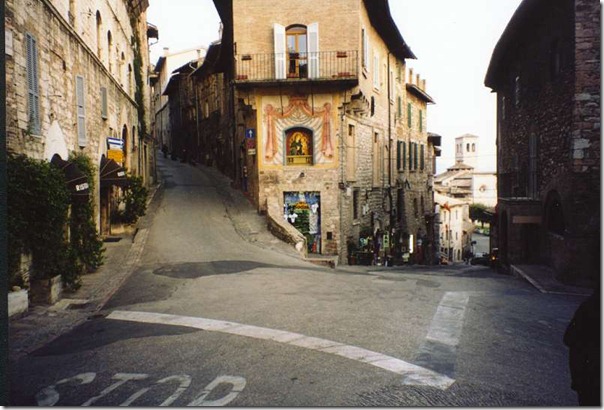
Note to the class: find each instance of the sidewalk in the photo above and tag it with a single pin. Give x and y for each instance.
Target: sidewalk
(43, 323)
(543, 279)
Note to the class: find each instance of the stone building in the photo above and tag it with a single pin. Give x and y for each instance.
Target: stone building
(545, 70)
(162, 73)
(462, 181)
(328, 127)
(72, 84)
(455, 229)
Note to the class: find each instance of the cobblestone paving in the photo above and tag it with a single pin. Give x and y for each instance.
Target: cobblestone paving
(466, 395)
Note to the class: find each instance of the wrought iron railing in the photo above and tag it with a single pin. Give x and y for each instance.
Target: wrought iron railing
(324, 65)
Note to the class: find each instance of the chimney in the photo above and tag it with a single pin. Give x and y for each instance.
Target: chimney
(424, 85)
(411, 76)
(417, 80)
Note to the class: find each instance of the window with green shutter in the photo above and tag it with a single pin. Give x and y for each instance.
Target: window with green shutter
(33, 95)
(398, 155)
(421, 157)
(410, 156)
(400, 107)
(421, 120)
(409, 115)
(415, 155)
(404, 155)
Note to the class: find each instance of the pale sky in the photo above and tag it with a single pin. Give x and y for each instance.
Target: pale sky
(452, 39)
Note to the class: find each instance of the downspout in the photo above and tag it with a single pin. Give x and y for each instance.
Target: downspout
(389, 143)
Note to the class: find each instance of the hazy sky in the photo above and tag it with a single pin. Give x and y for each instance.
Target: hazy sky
(452, 39)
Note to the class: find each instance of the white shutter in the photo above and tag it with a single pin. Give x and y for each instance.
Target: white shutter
(313, 50)
(81, 108)
(279, 33)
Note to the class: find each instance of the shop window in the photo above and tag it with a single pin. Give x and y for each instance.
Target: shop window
(299, 146)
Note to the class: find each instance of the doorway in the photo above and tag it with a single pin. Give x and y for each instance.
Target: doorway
(303, 211)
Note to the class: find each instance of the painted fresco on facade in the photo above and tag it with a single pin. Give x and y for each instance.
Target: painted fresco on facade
(301, 116)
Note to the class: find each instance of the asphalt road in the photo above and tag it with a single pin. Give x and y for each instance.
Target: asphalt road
(209, 318)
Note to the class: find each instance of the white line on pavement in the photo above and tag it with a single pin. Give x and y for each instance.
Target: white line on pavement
(447, 323)
(412, 374)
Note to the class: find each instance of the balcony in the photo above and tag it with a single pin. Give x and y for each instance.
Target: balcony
(339, 67)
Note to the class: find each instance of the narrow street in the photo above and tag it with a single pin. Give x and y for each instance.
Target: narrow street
(211, 317)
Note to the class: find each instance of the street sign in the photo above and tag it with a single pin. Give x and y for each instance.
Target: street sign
(250, 133)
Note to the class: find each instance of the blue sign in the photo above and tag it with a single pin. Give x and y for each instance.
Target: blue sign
(115, 141)
(250, 133)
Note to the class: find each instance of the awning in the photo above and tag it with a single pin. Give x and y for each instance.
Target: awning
(111, 173)
(75, 179)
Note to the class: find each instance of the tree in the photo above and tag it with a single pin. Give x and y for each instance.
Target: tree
(478, 212)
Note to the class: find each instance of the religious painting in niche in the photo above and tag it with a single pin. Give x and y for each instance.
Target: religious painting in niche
(299, 146)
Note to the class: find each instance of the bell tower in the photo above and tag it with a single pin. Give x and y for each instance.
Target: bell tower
(466, 149)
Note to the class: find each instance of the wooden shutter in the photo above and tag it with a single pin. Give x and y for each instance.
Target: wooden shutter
(410, 156)
(280, 68)
(398, 155)
(409, 115)
(421, 157)
(81, 108)
(313, 50)
(32, 84)
(415, 155)
(404, 155)
(421, 118)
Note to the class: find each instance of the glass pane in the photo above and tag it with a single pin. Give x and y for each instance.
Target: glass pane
(302, 44)
(291, 43)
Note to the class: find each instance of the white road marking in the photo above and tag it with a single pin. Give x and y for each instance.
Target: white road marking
(412, 374)
(447, 323)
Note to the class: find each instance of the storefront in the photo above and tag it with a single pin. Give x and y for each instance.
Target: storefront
(303, 211)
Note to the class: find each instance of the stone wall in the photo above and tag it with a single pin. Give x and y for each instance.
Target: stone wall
(67, 47)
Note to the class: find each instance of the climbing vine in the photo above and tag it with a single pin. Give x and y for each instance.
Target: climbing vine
(139, 80)
(84, 239)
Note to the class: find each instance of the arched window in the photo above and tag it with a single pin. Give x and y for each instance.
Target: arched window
(297, 51)
(99, 26)
(467, 147)
(299, 146)
(473, 147)
(554, 214)
(109, 49)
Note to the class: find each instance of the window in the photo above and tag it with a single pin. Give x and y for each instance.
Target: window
(33, 95)
(473, 147)
(99, 27)
(81, 111)
(104, 103)
(399, 149)
(411, 156)
(404, 154)
(365, 45)
(399, 109)
(376, 71)
(409, 115)
(299, 147)
(296, 51)
(351, 153)
(421, 157)
(377, 160)
(110, 52)
(414, 155)
(421, 120)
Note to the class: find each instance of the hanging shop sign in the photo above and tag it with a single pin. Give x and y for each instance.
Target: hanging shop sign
(116, 154)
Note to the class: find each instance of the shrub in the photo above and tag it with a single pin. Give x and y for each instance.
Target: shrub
(134, 200)
(36, 217)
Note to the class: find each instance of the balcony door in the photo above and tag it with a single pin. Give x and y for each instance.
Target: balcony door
(297, 51)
